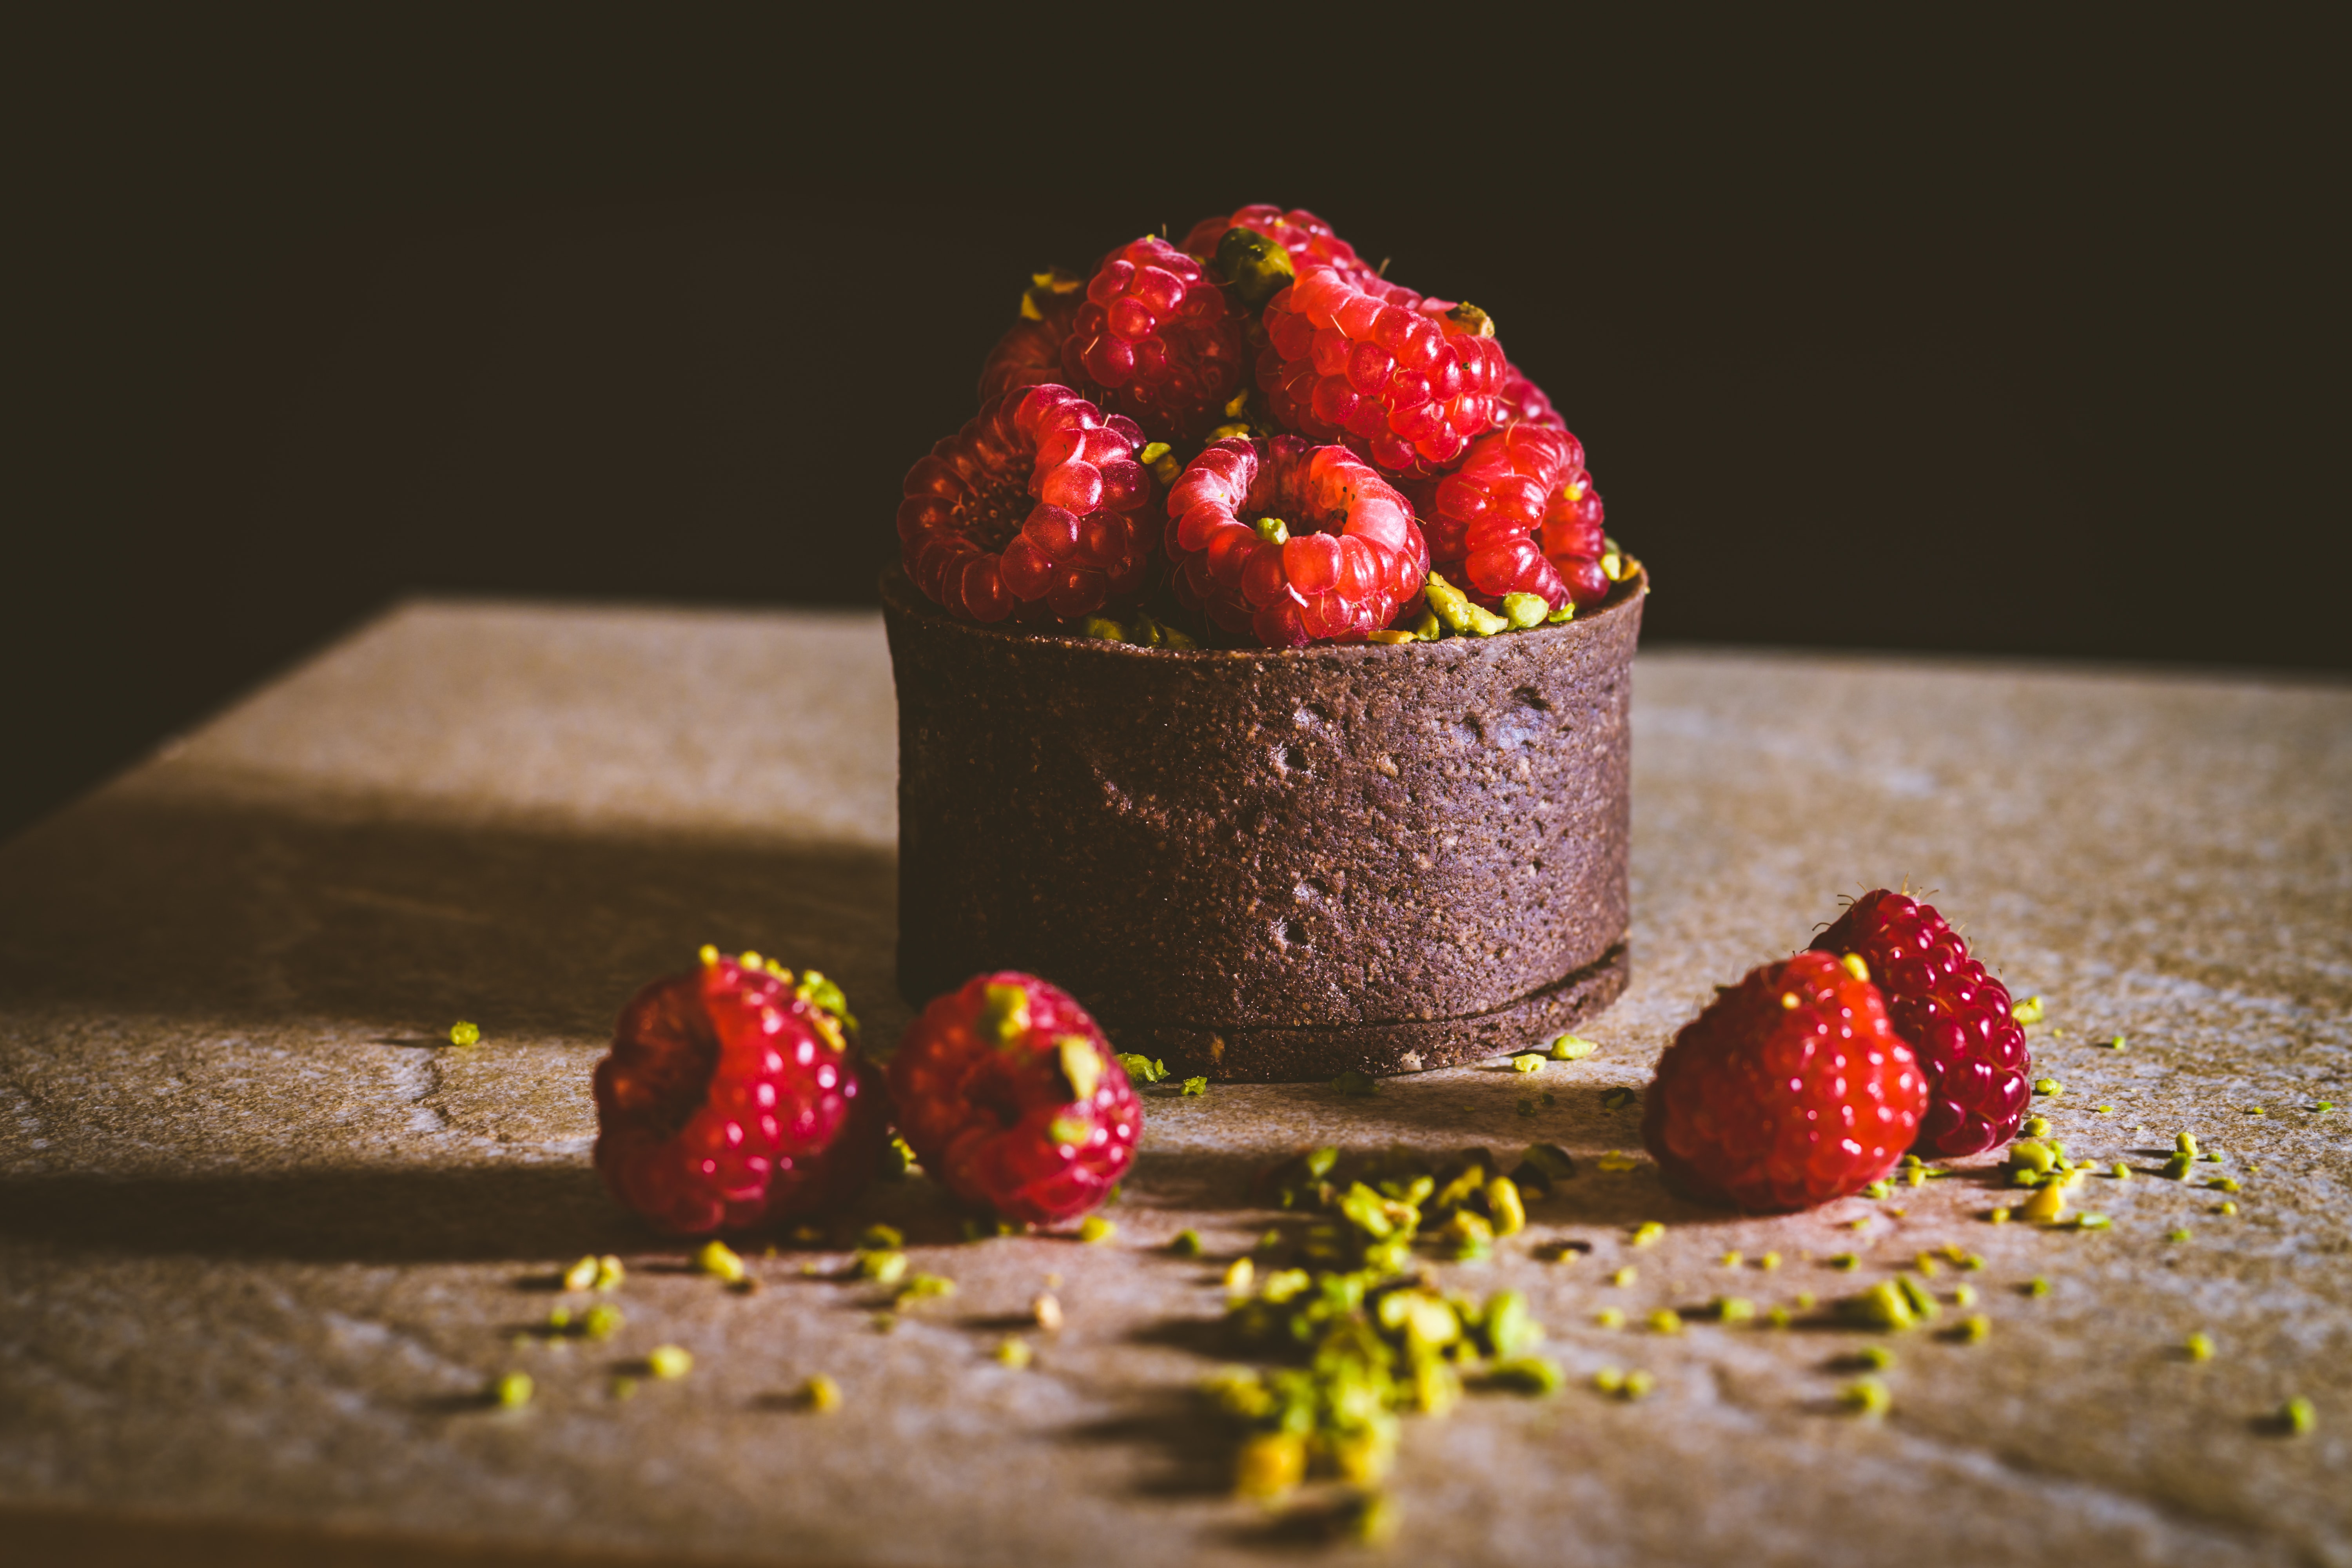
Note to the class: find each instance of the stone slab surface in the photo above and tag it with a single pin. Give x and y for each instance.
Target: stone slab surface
(264, 1234)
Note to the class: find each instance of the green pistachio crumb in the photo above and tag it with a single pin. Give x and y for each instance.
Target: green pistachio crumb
(820, 1393)
(1846, 1260)
(1196, 1086)
(1014, 1353)
(1239, 1277)
(1778, 1317)
(1571, 1048)
(1142, 1069)
(623, 1387)
(1608, 1317)
(2091, 1222)
(1878, 1358)
(1528, 1061)
(1734, 1310)
(1504, 1206)
(2121, 1172)
(2179, 1233)
(925, 1287)
(1649, 1233)
(1620, 1099)
(2029, 1011)
(1804, 1301)
(609, 1273)
(1926, 1264)
(669, 1362)
(1877, 1190)
(581, 1276)
(720, 1260)
(1638, 1384)
(2037, 1286)
(1868, 1398)
(2297, 1416)
(1186, 1244)
(1862, 1223)
(1666, 1320)
(884, 1267)
(1964, 1296)
(1610, 1379)
(2048, 1086)
(462, 1033)
(2324, 1106)
(1769, 1260)
(1733, 1259)
(2224, 1184)
(1527, 1374)
(1998, 1216)
(1095, 1230)
(1524, 610)
(1622, 1277)
(511, 1390)
(2198, 1346)
(2035, 1126)
(2227, 1208)
(1972, 1330)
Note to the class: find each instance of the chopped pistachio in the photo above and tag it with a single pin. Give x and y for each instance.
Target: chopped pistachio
(2037, 1286)
(2198, 1346)
(1649, 1233)
(1734, 1310)
(1878, 1358)
(1638, 1384)
(1142, 1069)
(2227, 1208)
(1964, 1296)
(2091, 1222)
(884, 1323)
(924, 1287)
(512, 1390)
(718, 1259)
(820, 1393)
(1271, 1464)
(1239, 1276)
(2118, 1043)
(1998, 1216)
(1613, 1160)
(2223, 1184)
(601, 1321)
(2178, 1233)
(1845, 1260)
(1623, 1277)
(581, 1276)
(1778, 1317)
(1972, 1330)
(1094, 1229)
(1505, 1207)
(1571, 1048)
(1528, 1061)
(2048, 1086)
(1524, 610)
(1862, 1223)
(1196, 1086)
(2178, 1166)
(1868, 1396)
(1014, 1353)
(2029, 1011)
(669, 1362)
(462, 1033)
(882, 1268)
(1186, 1243)
(2297, 1416)
(1917, 1175)
(1804, 1301)
(1769, 1260)
(2035, 1126)
(1926, 1264)
(1527, 1374)
(1883, 1306)
(1620, 1099)
(2045, 1206)
(1666, 1320)
(1877, 1190)
(1608, 1317)
(1610, 1379)
(623, 1387)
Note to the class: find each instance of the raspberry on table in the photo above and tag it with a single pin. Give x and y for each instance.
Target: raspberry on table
(1792, 1089)
(1030, 352)
(1012, 1097)
(1292, 542)
(1519, 516)
(1404, 382)
(1307, 238)
(1157, 340)
(1035, 508)
(733, 1095)
(1955, 1016)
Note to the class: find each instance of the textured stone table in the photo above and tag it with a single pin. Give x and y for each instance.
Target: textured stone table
(264, 1234)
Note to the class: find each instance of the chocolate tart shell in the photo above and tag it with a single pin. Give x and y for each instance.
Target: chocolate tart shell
(1271, 865)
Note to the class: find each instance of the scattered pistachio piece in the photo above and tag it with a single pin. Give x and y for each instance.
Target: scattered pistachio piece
(1769, 1260)
(1014, 1353)
(1186, 1243)
(2048, 1086)
(2297, 1416)
(1972, 1330)
(1623, 1277)
(2035, 1126)
(820, 1393)
(1095, 1230)
(462, 1033)
(2198, 1346)
(2037, 1286)
(2178, 1233)
(1734, 1310)
(1846, 1260)
(1571, 1048)
(1196, 1086)
(1528, 1061)
(1647, 1234)
(1868, 1398)
(511, 1390)
(601, 1321)
(581, 1276)
(720, 1260)
(1666, 1320)
(2029, 1011)
(1239, 1277)
(1878, 1358)
(669, 1362)
(1998, 1216)
(1608, 1317)
(925, 1287)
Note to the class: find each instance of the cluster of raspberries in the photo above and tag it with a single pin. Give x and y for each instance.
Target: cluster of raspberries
(1258, 433)
(1812, 1078)
(736, 1097)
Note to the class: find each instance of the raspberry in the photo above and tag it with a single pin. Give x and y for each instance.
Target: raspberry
(1791, 1089)
(1404, 382)
(1009, 1093)
(1159, 339)
(1523, 401)
(1036, 507)
(1520, 516)
(1951, 1013)
(1291, 541)
(1307, 238)
(1030, 352)
(734, 1096)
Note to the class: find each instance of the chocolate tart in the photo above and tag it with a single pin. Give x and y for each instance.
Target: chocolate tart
(1271, 865)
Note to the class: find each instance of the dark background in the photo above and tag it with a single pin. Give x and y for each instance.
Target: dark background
(1989, 336)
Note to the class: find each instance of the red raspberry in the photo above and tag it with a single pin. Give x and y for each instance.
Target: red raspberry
(1030, 352)
(1519, 516)
(1307, 238)
(1010, 1094)
(1523, 401)
(1036, 507)
(1404, 383)
(1953, 1014)
(1791, 1089)
(1293, 542)
(733, 1095)
(1159, 339)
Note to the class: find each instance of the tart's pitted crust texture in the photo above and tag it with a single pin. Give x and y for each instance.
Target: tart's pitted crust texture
(1271, 865)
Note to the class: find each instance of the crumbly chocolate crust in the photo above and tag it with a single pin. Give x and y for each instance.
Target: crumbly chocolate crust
(1271, 865)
